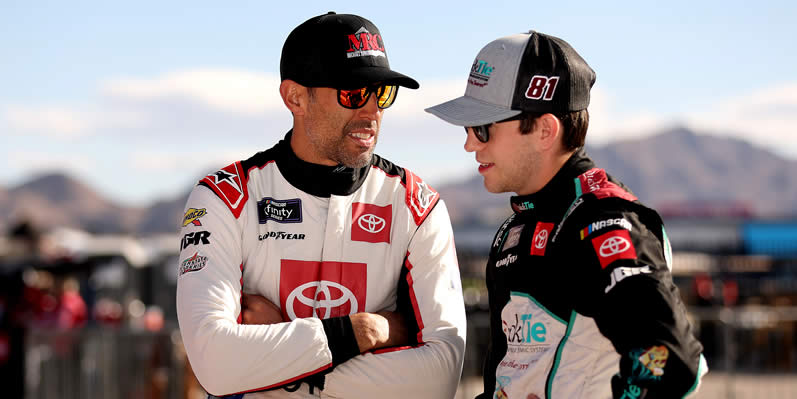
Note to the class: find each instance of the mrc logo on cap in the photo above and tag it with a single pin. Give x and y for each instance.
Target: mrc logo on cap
(364, 43)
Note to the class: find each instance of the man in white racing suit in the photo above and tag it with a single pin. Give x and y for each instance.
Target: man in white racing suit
(354, 255)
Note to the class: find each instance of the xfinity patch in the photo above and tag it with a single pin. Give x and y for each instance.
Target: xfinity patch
(280, 211)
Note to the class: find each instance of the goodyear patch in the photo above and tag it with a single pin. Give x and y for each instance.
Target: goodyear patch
(192, 216)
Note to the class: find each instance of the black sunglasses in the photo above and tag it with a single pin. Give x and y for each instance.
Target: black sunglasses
(357, 98)
(482, 132)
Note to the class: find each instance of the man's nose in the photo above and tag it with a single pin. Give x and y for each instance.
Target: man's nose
(471, 142)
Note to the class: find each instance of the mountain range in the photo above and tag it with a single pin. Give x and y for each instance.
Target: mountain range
(676, 171)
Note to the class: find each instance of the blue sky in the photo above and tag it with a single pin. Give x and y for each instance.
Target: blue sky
(141, 99)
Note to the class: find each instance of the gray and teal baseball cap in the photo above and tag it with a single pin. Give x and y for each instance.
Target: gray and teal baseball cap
(531, 72)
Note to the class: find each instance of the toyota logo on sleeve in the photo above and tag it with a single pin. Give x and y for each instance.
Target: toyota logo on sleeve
(612, 246)
(371, 223)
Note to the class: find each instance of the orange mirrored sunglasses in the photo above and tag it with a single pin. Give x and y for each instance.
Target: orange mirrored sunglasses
(357, 98)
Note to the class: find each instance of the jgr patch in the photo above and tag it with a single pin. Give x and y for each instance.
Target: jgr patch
(322, 289)
(371, 223)
(193, 264)
(540, 239)
(612, 246)
(192, 216)
(280, 211)
(195, 238)
(619, 274)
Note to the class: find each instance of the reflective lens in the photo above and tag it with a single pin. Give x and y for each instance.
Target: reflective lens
(481, 132)
(354, 99)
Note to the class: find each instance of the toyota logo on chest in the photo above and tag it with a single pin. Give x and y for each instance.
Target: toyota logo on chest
(371, 223)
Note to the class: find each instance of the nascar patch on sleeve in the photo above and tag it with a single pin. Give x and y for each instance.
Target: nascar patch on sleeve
(612, 246)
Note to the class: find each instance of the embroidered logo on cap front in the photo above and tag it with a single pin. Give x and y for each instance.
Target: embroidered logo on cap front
(480, 73)
(363, 43)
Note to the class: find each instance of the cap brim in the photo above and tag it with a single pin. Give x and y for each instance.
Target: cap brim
(365, 76)
(468, 111)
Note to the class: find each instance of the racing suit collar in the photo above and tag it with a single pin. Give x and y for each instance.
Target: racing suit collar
(559, 192)
(315, 179)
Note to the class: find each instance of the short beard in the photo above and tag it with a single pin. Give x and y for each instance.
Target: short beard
(334, 148)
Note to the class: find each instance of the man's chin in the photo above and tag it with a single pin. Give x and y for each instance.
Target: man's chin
(360, 161)
(493, 189)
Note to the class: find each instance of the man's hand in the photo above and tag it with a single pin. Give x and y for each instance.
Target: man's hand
(372, 330)
(259, 310)
(379, 330)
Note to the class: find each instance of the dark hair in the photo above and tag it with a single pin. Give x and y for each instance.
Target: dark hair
(575, 126)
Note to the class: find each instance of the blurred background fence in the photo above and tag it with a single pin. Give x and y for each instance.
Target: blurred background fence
(98, 320)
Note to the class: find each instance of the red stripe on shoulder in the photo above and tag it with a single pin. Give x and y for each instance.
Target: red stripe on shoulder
(421, 197)
(230, 184)
(596, 182)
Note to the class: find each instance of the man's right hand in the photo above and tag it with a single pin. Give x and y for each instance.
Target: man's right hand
(379, 330)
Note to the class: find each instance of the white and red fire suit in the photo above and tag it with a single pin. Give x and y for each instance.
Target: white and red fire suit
(322, 243)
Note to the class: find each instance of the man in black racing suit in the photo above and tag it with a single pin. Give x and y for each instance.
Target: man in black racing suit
(582, 303)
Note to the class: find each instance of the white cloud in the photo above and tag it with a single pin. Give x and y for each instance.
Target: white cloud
(766, 117)
(52, 121)
(137, 103)
(41, 162)
(149, 161)
(229, 90)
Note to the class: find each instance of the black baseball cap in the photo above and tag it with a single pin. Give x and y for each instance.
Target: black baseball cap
(531, 72)
(342, 51)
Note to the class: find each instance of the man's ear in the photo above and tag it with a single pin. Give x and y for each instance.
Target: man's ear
(294, 96)
(550, 129)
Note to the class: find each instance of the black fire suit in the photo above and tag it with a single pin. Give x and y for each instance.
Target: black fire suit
(582, 303)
